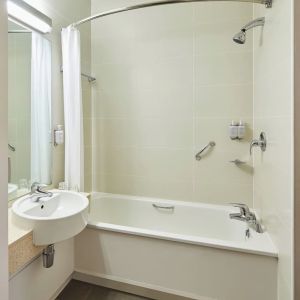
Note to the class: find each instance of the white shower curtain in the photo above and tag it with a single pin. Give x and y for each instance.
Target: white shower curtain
(74, 150)
(40, 109)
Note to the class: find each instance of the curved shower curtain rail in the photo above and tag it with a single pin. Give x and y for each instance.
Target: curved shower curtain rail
(267, 3)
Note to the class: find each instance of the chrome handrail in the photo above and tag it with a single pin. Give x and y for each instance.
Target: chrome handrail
(209, 145)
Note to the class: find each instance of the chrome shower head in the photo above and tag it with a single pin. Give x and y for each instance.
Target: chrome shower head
(240, 37)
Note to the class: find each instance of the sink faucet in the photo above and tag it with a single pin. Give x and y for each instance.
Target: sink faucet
(247, 216)
(37, 193)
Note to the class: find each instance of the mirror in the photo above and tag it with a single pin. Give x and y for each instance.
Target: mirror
(29, 110)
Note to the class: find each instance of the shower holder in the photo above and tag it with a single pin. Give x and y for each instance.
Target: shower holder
(268, 3)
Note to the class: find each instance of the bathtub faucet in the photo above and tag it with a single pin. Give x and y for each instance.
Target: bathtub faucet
(247, 216)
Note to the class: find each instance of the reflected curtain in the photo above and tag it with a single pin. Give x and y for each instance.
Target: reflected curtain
(74, 151)
(41, 161)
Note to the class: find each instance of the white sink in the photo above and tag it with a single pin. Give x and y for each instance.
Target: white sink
(52, 219)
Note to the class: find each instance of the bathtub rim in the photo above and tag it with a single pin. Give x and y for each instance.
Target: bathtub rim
(229, 208)
(270, 250)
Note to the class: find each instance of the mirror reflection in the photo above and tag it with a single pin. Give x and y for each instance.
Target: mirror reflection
(29, 110)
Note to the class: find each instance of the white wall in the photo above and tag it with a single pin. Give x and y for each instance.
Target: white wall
(169, 80)
(3, 153)
(273, 113)
(38, 283)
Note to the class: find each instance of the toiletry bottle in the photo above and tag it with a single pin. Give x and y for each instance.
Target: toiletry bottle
(233, 130)
(241, 130)
(58, 135)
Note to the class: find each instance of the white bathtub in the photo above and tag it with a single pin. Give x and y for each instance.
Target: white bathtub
(179, 248)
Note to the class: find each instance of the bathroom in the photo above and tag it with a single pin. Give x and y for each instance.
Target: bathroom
(149, 149)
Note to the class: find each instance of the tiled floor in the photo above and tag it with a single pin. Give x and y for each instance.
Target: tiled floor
(77, 290)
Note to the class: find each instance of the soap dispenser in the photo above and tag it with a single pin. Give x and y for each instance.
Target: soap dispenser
(58, 135)
(241, 130)
(233, 130)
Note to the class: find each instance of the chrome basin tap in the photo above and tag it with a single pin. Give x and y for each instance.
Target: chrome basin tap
(37, 193)
(247, 216)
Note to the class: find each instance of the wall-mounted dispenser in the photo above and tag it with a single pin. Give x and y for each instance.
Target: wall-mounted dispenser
(241, 130)
(237, 130)
(58, 135)
(233, 130)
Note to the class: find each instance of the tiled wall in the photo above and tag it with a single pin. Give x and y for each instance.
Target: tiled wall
(169, 80)
(19, 104)
(273, 113)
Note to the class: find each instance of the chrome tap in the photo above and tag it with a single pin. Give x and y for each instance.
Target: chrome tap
(247, 216)
(37, 193)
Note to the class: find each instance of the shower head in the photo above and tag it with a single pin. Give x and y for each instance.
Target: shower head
(240, 37)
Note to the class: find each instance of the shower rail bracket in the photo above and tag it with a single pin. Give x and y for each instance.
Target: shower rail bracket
(268, 3)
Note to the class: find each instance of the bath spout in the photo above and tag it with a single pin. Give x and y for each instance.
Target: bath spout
(245, 215)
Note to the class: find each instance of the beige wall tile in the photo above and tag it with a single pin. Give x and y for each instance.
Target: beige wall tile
(224, 101)
(165, 89)
(150, 132)
(223, 68)
(157, 186)
(218, 193)
(169, 163)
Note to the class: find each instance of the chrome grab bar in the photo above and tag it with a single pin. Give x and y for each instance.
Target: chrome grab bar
(209, 145)
(163, 207)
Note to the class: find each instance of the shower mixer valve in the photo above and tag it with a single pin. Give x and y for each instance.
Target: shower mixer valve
(262, 143)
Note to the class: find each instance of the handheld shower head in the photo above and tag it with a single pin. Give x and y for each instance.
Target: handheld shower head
(240, 37)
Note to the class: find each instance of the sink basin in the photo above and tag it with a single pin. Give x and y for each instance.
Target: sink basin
(52, 219)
